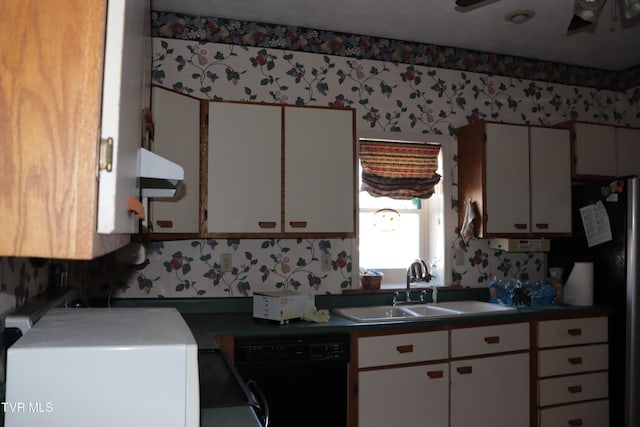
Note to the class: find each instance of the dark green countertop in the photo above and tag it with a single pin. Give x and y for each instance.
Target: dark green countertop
(206, 327)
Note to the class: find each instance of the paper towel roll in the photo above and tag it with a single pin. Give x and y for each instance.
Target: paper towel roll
(579, 287)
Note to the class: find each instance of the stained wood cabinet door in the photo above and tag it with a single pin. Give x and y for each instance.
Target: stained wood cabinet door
(71, 77)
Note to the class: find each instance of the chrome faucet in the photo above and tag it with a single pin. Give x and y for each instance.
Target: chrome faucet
(417, 272)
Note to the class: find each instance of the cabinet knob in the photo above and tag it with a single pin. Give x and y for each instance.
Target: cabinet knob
(574, 332)
(435, 374)
(267, 224)
(575, 360)
(298, 224)
(573, 389)
(405, 348)
(464, 370)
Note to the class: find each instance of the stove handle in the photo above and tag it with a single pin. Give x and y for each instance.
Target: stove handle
(262, 406)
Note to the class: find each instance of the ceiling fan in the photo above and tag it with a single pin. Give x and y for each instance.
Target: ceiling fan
(585, 12)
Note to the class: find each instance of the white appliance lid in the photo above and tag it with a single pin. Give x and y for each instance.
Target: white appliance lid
(108, 327)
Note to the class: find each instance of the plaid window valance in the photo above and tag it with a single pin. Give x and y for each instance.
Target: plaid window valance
(399, 170)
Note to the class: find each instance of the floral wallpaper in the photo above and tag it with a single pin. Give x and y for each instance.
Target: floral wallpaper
(389, 97)
(21, 279)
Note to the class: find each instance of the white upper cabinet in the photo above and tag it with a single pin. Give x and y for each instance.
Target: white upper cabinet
(594, 148)
(550, 152)
(519, 176)
(628, 151)
(122, 112)
(319, 170)
(177, 138)
(244, 163)
(276, 169)
(507, 179)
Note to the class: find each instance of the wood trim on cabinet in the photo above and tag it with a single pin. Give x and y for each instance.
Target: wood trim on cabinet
(204, 164)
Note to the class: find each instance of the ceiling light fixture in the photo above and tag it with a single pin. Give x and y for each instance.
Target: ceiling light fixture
(519, 16)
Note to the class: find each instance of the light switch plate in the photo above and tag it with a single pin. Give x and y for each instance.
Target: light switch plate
(325, 261)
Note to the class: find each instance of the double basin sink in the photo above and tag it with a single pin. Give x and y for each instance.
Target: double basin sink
(387, 313)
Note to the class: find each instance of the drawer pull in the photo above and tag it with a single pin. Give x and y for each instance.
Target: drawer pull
(575, 423)
(492, 340)
(463, 370)
(574, 332)
(298, 224)
(267, 224)
(435, 374)
(575, 360)
(542, 226)
(573, 389)
(520, 226)
(405, 348)
(164, 223)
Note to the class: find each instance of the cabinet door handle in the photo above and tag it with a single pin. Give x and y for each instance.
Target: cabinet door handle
(542, 226)
(267, 224)
(574, 332)
(575, 360)
(520, 226)
(435, 374)
(298, 224)
(463, 370)
(576, 422)
(405, 348)
(573, 389)
(134, 205)
(492, 340)
(164, 223)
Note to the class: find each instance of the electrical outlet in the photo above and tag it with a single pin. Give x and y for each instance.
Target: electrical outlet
(226, 263)
(325, 262)
(459, 257)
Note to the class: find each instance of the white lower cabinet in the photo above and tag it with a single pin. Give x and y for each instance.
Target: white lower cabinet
(490, 391)
(413, 396)
(572, 372)
(466, 377)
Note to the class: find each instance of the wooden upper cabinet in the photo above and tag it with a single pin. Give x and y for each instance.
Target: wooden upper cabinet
(519, 177)
(72, 75)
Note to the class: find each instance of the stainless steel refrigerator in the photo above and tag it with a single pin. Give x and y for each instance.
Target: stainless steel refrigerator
(616, 273)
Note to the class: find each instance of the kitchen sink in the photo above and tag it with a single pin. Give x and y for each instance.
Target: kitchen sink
(386, 313)
(475, 307)
(377, 313)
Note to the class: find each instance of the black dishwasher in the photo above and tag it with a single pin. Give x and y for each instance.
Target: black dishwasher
(303, 378)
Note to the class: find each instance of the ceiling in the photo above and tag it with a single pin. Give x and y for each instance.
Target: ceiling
(612, 45)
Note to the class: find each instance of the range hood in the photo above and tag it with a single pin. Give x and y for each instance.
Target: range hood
(520, 245)
(159, 177)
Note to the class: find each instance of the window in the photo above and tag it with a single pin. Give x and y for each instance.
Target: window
(393, 233)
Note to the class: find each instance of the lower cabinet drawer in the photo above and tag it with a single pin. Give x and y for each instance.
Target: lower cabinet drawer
(402, 348)
(590, 414)
(573, 388)
(573, 360)
(489, 339)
